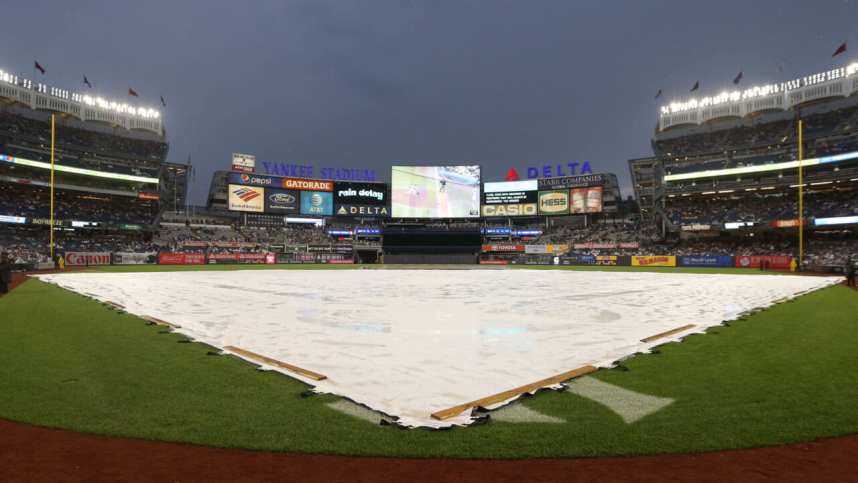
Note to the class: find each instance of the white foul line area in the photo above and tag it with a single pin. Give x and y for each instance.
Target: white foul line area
(410, 343)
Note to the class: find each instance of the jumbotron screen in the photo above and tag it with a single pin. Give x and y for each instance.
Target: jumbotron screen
(435, 191)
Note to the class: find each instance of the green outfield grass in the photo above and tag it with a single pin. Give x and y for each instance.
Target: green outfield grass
(782, 375)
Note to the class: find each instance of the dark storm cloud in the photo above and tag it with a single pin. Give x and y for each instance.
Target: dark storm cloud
(340, 83)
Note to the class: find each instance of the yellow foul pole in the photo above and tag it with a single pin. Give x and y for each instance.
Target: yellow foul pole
(800, 194)
(53, 138)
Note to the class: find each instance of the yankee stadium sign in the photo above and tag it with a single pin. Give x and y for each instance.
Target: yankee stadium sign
(275, 168)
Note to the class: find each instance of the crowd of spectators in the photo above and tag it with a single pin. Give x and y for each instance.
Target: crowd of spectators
(34, 202)
(825, 133)
(83, 145)
(30, 243)
(760, 208)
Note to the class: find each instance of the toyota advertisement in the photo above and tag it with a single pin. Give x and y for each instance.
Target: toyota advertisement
(361, 199)
(514, 198)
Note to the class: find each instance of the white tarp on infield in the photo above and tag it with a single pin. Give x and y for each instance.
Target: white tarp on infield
(412, 342)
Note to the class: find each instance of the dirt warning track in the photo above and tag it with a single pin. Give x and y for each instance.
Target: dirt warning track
(34, 454)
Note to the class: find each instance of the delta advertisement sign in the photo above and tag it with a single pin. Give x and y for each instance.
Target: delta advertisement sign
(361, 199)
(552, 170)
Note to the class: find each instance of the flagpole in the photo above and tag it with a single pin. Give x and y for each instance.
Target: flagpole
(53, 139)
(800, 194)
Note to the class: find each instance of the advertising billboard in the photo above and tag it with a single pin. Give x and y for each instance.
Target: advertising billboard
(705, 261)
(130, 258)
(361, 199)
(317, 203)
(346, 193)
(253, 179)
(775, 262)
(435, 191)
(654, 261)
(567, 182)
(246, 198)
(514, 198)
(215, 258)
(365, 211)
(279, 201)
(181, 258)
(554, 202)
(306, 184)
(85, 259)
(503, 247)
(245, 163)
(586, 200)
(278, 182)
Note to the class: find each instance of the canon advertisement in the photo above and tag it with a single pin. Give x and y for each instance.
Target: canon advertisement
(361, 199)
(86, 259)
(515, 198)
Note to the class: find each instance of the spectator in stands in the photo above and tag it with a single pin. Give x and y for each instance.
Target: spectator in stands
(850, 273)
(5, 273)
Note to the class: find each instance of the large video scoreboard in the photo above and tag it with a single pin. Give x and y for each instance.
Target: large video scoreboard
(417, 192)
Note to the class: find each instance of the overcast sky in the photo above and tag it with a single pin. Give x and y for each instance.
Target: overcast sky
(350, 83)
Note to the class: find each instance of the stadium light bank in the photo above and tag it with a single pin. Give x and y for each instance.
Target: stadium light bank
(87, 100)
(760, 91)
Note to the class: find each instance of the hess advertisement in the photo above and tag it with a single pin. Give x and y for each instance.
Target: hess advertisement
(361, 199)
(515, 198)
(279, 201)
(246, 198)
(554, 202)
(435, 191)
(317, 203)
